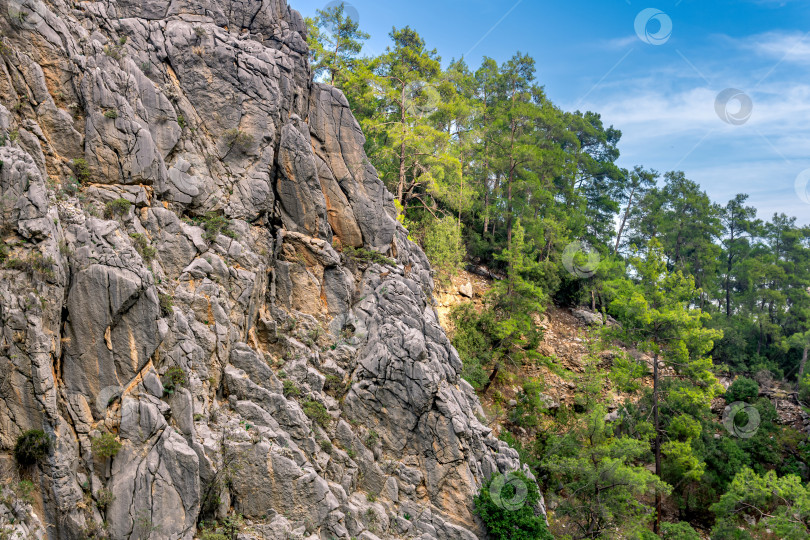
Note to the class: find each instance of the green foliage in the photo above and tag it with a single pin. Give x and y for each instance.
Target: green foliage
(504, 523)
(530, 405)
(214, 225)
(104, 499)
(105, 445)
(317, 412)
(117, 208)
(166, 304)
(679, 531)
(444, 246)
(742, 389)
(290, 389)
(31, 447)
(804, 389)
(143, 247)
(472, 337)
(781, 505)
(368, 256)
(335, 40)
(601, 472)
(81, 170)
(237, 139)
(112, 114)
(35, 263)
(173, 379)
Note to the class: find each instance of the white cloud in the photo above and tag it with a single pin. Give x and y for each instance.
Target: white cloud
(792, 47)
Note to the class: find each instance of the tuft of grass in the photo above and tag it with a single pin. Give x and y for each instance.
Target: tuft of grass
(117, 208)
(143, 247)
(368, 256)
(166, 304)
(317, 412)
(105, 446)
(214, 225)
(290, 389)
(36, 264)
(237, 139)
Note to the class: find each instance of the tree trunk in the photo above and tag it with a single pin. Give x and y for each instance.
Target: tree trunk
(624, 221)
(492, 377)
(401, 184)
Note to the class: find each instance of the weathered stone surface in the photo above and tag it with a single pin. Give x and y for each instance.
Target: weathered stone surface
(175, 193)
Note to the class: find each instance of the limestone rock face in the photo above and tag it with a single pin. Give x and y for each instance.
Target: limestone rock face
(177, 311)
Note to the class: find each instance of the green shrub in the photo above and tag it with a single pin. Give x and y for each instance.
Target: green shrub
(32, 446)
(142, 246)
(507, 523)
(105, 446)
(317, 413)
(112, 114)
(472, 337)
(742, 389)
(35, 264)
(444, 247)
(117, 208)
(237, 139)
(367, 256)
(678, 531)
(530, 405)
(81, 170)
(214, 225)
(290, 390)
(173, 379)
(804, 389)
(104, 499)
(166, 304)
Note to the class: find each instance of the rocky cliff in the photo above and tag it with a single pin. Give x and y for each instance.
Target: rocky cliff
(200, 265)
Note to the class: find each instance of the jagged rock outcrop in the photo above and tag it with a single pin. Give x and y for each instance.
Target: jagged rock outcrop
(199, 260)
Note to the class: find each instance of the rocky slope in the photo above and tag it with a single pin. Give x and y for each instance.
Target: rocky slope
(199, 259)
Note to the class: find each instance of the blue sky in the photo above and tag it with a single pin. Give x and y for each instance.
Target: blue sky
(662, 96)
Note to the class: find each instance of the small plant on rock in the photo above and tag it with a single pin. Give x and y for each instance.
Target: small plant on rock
(237, 139)
(368, 256)
(112, 114)
(117, 208)
(35, 264)
(32, 446)
(142, 246)
(105, 446)
(166, 304)
(317, 412)
(174, 378)
(290, 389)
(104, 499)
(214, 225)
(81, 170)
